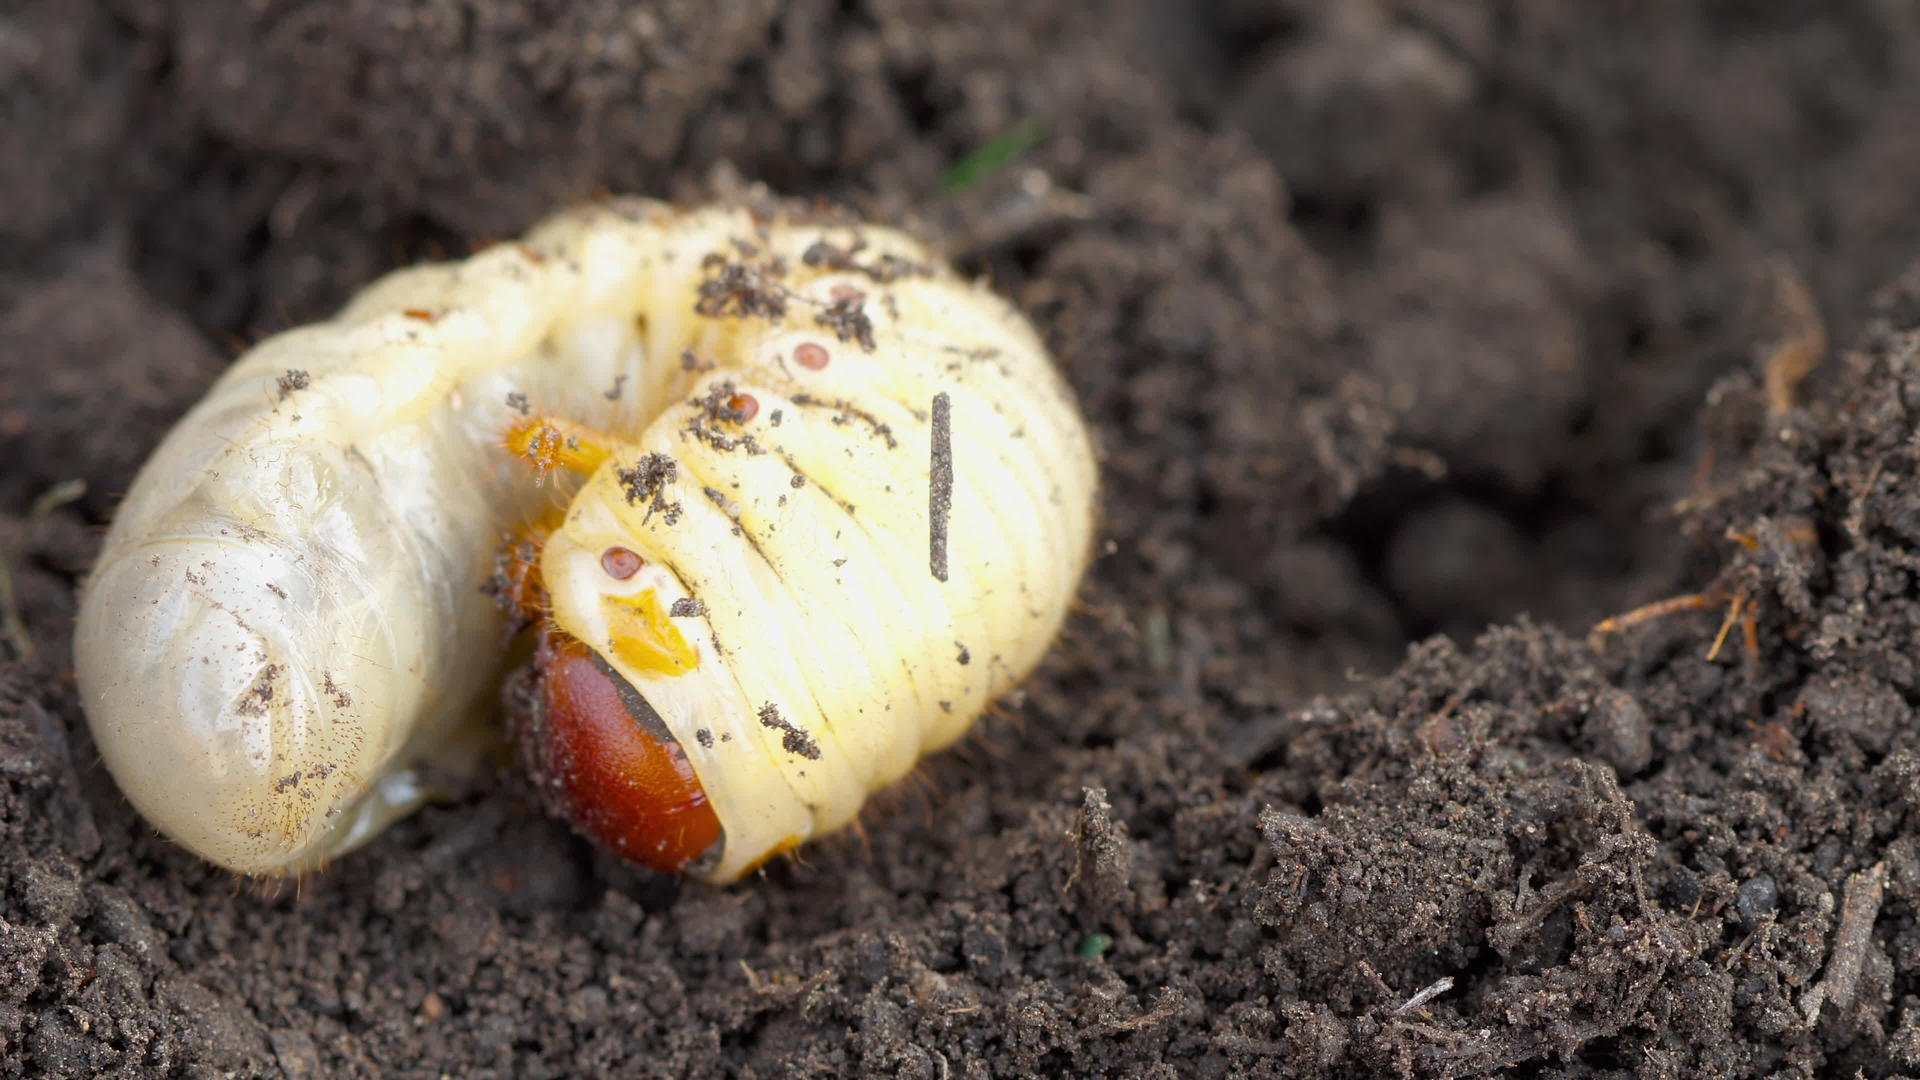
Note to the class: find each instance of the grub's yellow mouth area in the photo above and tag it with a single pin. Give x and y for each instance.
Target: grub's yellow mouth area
(642, 636)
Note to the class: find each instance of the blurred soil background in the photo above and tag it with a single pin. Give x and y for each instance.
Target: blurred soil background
(1420, 336)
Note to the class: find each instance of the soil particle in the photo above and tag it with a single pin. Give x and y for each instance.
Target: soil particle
(939, 485)
(847, 317)
(793, 739)
(1396, 319)
(646, 483)
(740, 290)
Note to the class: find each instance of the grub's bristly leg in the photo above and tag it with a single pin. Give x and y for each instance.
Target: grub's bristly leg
(515, 583)
(552, 442)
(544, 443)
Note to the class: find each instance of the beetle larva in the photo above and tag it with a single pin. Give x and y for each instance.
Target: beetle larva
(835, 500)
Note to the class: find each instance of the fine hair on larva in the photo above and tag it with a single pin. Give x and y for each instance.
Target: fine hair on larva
(809, 502)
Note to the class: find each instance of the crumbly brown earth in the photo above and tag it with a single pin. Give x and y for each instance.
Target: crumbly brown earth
(1397, 319)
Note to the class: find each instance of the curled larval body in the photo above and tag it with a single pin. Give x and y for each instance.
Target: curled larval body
(851, 497)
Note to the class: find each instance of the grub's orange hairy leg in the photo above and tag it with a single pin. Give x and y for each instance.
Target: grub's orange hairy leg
(551, 442)
(515, 582)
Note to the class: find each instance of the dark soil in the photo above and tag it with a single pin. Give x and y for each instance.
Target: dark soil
(1397, 319)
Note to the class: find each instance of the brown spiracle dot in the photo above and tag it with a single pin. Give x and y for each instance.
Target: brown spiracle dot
(743, 407)
(811, 355)
(620, 563)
